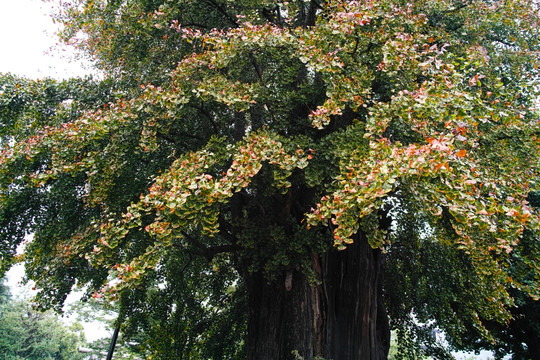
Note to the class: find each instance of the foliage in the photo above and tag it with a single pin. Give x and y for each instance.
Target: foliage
(100, 347)
(419, 291)
(521, 335)
(255, 134)
(29, 334)
(4, 292)
(93, 313)
(26, 108)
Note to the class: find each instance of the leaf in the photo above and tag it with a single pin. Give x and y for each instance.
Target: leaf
(461, 153)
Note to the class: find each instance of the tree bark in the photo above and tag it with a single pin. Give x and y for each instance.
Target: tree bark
(533, 344)
(342, 318)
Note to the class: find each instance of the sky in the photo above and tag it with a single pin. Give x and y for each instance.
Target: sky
(27, 41)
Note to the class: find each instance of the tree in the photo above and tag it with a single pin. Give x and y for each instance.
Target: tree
(28, 334)
(281, 149)
(4, 293)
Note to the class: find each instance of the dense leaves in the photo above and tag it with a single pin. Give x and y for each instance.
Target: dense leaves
(251, 136)
(28, 334)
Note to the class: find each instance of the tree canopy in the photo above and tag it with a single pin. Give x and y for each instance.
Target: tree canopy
(253, 143)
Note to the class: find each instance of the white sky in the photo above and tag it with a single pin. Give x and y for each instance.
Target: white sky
(27, 36)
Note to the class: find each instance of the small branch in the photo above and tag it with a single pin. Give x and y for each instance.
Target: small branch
(194, 24)
(210, 252)
(257, 68)
(463, 5)
(170, 139)
(501, 41)
(356, 41)
(215, 250)
(190, 259)
(113, 342)
(224, 12)
(207, 114)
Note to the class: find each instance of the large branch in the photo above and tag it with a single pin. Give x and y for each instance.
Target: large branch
(311, 16)
(210, 252)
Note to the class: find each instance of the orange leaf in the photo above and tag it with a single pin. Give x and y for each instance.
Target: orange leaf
(461, 153)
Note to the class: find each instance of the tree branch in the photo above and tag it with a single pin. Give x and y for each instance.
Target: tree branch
(499, 40)
(207, 114)
(194, 24)
(312, 12)
(171, 139)
(210, 252)
(220, 8)
(257, 68)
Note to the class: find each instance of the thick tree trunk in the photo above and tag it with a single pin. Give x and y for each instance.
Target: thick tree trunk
(533, 344)
(357, 323)
(343, 318)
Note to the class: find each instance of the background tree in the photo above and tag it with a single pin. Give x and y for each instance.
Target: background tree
(28, 334)
(254, 140)
(4, 293)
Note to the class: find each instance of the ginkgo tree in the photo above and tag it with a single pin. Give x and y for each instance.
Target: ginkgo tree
(263, 160)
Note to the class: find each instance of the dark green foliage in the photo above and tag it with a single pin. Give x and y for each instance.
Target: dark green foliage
(428, 280)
